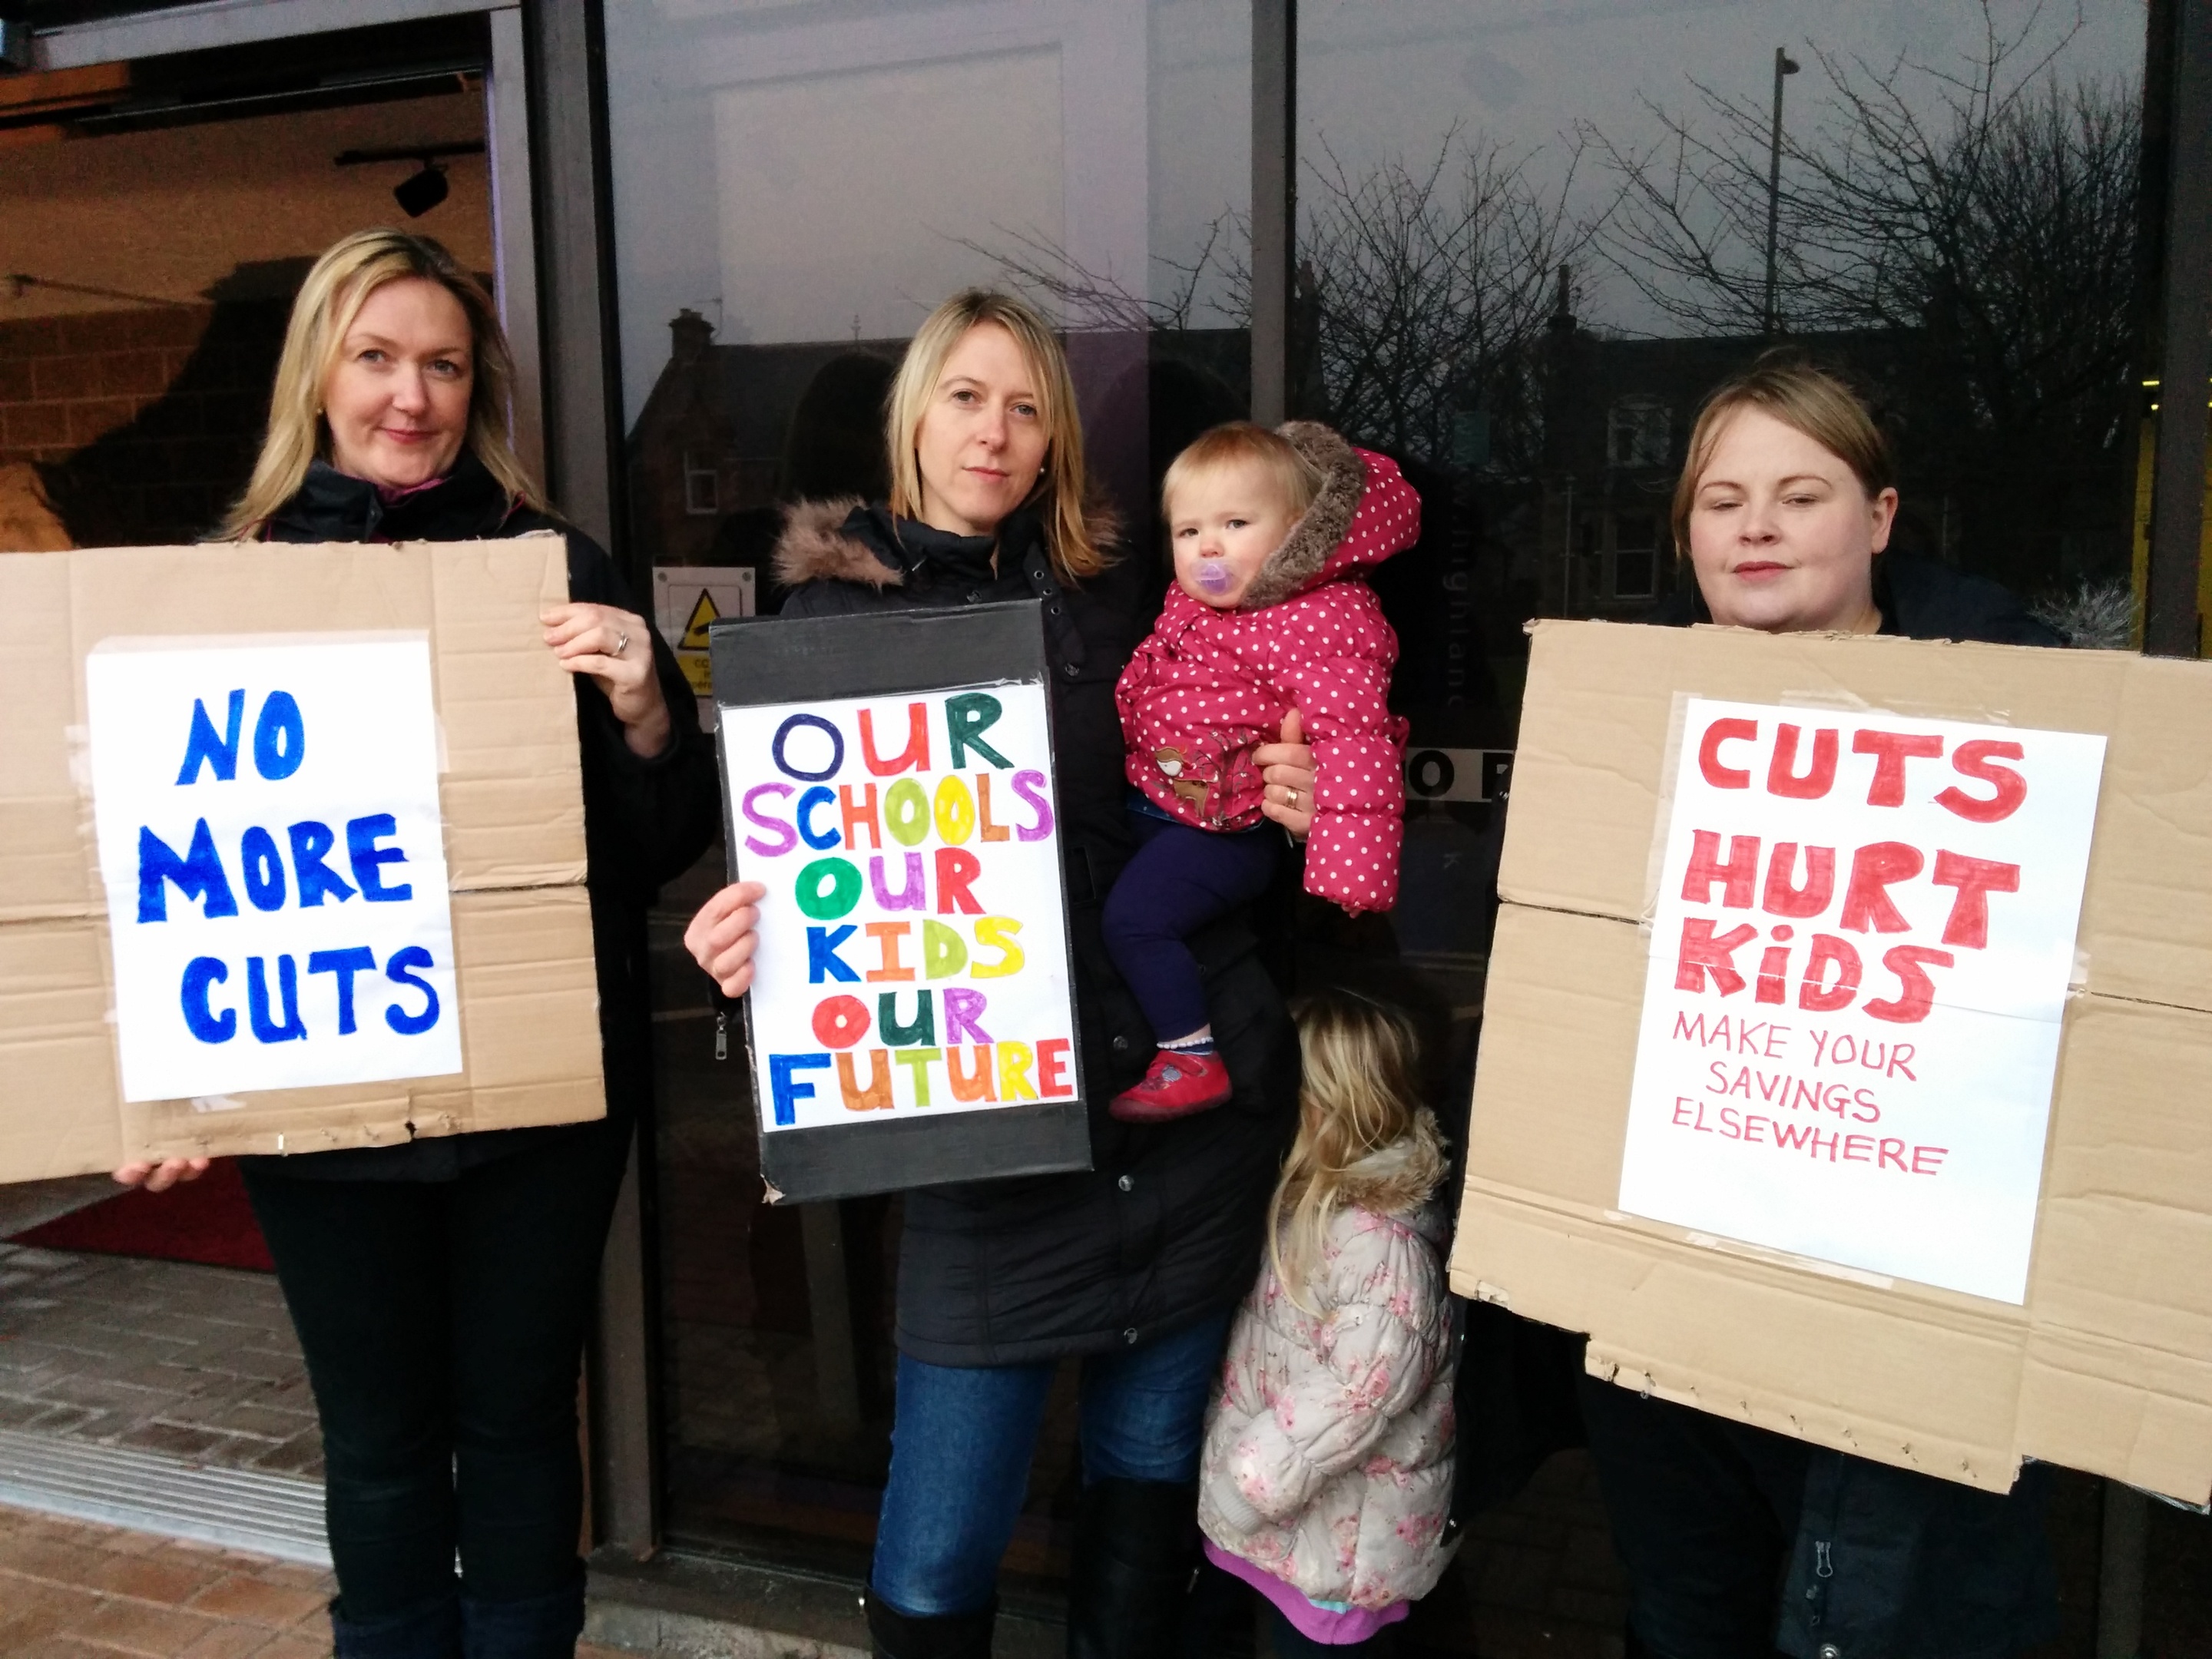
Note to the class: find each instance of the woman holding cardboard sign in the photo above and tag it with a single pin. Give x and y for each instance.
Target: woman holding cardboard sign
(1785, 507)
(1135, 1266)
(440, 1289)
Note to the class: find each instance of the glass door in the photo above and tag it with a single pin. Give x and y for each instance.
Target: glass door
(794, 187)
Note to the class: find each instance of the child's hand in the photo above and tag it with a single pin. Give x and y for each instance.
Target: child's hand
(1286, 767)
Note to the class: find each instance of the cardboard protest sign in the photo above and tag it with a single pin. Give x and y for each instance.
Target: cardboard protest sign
(912, 1017)
(1899, 897)
(1686, 1137)
(291, 853)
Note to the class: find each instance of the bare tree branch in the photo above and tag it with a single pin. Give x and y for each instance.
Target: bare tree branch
(1426, 292)
(1423, 293)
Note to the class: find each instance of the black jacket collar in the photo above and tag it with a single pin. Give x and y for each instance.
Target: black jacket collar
(924, 556)
(331, 506)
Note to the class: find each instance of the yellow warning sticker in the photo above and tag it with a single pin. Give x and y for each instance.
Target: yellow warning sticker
(694, 629)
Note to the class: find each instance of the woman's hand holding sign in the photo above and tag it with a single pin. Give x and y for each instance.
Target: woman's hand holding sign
(721, 937)
(1287, 767)
(160, 1177)
(615, 647)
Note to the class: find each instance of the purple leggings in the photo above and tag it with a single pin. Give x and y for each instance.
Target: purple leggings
(1180, 879)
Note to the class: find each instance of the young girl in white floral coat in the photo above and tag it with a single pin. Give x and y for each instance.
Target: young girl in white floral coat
(1327, 1477)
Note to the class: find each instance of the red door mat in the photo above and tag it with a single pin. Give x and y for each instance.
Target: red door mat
(208, 1221)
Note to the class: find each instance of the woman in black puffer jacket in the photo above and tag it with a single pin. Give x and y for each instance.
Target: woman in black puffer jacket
(441, 1288)
(1785, 505)
(1135, 1266)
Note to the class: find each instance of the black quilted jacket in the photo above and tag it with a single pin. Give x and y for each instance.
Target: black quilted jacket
(1167, 1226)
(645, 821)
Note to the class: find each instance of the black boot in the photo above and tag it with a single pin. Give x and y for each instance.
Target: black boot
(1136, 1544)
(894, 1635)
(538, 1627)
(432, 1632)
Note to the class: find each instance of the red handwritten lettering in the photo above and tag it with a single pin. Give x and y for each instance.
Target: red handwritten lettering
(1891, 749)
(1874, 869)
(1974, 760)
(1968, 924)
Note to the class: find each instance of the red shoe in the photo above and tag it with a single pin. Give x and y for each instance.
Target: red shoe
(1179, 1084)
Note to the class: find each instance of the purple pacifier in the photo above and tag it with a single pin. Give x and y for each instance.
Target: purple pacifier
(1213, 576)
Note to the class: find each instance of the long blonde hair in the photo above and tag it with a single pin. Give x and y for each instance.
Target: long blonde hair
(1361, 1092)
(1070, 540)
(336, 288)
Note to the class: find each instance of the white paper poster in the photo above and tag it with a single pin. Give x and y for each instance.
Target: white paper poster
(913, 953)
(269, 839)
(1863, 936)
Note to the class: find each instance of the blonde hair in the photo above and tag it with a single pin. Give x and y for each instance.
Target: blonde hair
(1235, 441)
(1360, 1093)
(1069, 539)
(335, 289)
(1813, 401)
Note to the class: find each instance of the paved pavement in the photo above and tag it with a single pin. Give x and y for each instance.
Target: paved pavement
(72, 1592)
(195, 1362)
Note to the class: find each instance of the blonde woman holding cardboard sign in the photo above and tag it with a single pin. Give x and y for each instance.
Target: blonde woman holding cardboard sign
(1785, 508)
(440, 1289)
(1135, 1266)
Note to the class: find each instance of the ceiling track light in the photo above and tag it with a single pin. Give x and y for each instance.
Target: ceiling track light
(419, 193)
(425, 188)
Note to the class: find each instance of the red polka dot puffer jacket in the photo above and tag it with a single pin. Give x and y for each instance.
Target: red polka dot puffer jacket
(1207, 686)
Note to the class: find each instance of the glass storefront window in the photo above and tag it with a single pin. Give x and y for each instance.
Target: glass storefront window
(795, 185)
(1527, 247)
(1953, 215)
(1524, 250)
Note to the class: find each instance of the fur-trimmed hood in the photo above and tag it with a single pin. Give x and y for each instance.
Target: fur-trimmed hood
(816, 546)
(1317, 548)
(1401, 1178)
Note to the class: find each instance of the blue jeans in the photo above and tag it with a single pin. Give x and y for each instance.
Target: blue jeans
(963, 1438)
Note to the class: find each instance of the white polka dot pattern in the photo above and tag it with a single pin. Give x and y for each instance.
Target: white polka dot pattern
(1208, 685)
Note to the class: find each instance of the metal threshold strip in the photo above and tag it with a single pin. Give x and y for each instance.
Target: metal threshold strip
(245, 1510)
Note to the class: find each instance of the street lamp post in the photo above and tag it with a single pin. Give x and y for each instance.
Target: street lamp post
(1784, 65)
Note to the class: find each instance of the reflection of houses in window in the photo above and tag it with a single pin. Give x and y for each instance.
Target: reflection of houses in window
(1617, 419)
(712, 452)
(1635, 555)
(1638, 433)
(700, 494)
(1617, 414)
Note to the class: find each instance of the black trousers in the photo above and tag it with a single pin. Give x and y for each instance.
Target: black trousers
(443, 1326)
(1704, 1513)
(1739, 1542)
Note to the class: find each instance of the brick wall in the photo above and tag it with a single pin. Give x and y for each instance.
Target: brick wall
(143, 423)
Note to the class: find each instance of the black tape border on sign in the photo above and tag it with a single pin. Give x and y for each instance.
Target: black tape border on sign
(777, 659)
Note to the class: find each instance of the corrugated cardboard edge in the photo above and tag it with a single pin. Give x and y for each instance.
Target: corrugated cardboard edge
(2109, 1366)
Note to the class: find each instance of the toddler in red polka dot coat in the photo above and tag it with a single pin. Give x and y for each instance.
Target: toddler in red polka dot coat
(1269, 613)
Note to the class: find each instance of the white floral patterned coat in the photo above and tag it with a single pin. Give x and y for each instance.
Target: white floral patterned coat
(1329, 1450)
